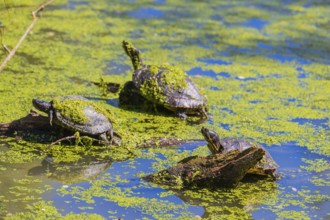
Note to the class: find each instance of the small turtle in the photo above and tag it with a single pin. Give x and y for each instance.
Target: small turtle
(266, 166)
(76, 113)
(166, 85)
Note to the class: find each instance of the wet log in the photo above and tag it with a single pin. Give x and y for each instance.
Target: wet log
(217, 170)
(33, 121)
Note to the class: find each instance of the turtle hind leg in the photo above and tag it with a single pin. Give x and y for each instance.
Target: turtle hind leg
(114, 139)
(105, 139)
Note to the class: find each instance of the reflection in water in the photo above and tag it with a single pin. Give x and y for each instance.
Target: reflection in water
(17, 189)
(231, 203)
(85, 169)
(253, 198)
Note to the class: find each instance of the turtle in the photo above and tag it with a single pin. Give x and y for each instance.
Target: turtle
(166, 85)
(76, 113)
(265, 167)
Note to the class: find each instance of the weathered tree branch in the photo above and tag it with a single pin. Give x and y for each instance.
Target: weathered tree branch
(216, 170)
(29, 122)
(35, 14)
(35, 122)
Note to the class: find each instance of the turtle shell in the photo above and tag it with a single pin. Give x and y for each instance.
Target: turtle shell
(265, 166)
(78, 114)
(168, 86)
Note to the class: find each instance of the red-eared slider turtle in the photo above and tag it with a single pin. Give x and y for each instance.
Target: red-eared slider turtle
(77, 114)
(166, 85)
(266, 166)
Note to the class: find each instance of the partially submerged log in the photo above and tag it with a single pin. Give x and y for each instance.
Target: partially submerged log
(33, 121)
(217, 170)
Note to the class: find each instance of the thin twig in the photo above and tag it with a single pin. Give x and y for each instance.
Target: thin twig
(5, 47)
(58, 141)
(35, 18)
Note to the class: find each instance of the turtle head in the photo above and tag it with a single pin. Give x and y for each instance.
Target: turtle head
(213, 140)
(42, 105)
(134, 54)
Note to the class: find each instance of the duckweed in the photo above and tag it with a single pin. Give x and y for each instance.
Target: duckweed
(163, 80)
(74, 109)
(267, 80)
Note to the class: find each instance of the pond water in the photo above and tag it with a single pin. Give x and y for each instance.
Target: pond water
(263, 65)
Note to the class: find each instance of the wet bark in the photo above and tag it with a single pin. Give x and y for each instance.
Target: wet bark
(218, 170)
(33, 121)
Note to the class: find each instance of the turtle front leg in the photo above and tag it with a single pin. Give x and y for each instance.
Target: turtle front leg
(112, 139)
(50, 115)
(181, 114)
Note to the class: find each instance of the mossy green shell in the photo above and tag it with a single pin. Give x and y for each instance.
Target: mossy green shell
(78, 114)
(168, 86)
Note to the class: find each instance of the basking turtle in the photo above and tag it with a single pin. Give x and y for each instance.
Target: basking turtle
(266, 166)
(77, 114)
(166, 85)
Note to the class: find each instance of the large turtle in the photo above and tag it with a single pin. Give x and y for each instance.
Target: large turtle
(266, 166)
(78, 114)
(166, 85)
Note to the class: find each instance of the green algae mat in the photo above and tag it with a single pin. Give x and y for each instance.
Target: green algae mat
(264, 67)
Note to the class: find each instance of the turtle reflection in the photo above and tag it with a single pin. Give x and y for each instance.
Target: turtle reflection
(85, 169)
(231, 203)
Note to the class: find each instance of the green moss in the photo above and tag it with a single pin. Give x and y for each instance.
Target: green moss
(71, 109)
(163, 76)
(153, 69)
(74, 109)
(174, 77)
(153, 91)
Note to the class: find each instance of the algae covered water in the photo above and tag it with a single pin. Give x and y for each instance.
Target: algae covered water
(263, 65)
